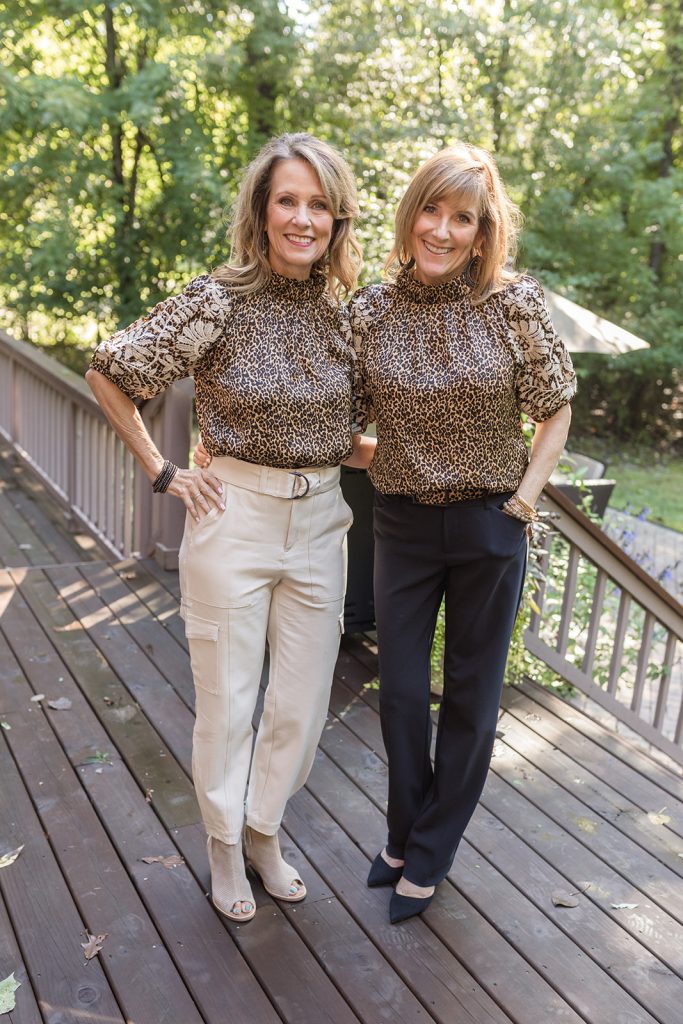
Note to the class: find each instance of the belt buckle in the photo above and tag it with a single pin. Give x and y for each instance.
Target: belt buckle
(296, 473)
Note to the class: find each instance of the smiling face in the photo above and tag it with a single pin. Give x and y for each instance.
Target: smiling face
(299, 221)
(442, 239)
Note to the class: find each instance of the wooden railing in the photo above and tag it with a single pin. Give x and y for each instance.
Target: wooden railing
(607, 627)
(51, 419)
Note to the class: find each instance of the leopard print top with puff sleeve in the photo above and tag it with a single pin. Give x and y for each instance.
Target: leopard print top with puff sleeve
(272, 369)
(446, 381)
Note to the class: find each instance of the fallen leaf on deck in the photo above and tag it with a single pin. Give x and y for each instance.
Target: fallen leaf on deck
(173, 861)
(625, 906)
(60, 704)
(532, 717)
(659, 818)
(6, 725)
(564, 899)
(568, 899)
(38, 696)
(108, 700)
(7, 989)
(9, 858)
(25, 547)
(129, 575)
(93, 946)
(148, 795)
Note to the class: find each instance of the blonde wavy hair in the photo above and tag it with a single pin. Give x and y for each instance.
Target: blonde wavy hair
(248, 269)
(468, 174)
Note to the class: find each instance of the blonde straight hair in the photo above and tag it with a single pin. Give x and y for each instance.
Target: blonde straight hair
(248, 269)
(468, 174)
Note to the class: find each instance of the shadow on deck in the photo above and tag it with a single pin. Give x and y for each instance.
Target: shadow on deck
(92, 789)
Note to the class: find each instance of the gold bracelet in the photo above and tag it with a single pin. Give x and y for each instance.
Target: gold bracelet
(516, 513)
(525, 504)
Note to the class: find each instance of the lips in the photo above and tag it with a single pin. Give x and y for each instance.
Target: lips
(436, 250)
(302, 241)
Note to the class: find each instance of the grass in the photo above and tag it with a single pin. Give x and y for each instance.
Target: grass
(644, 480)
(657, 486)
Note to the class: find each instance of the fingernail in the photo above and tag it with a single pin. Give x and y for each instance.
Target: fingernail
(222, 507)
(220, 488)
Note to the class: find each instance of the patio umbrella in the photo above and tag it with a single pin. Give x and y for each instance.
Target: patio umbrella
(583, 331)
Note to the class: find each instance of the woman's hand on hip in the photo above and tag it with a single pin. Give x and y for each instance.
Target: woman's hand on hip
(199, 490)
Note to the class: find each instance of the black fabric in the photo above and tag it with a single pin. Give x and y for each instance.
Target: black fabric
(474, 555)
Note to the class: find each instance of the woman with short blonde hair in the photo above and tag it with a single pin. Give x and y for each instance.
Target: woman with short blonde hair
(451, 351)
(471, 173)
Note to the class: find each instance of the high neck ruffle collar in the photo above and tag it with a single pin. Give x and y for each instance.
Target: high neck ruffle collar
(449, 291)
(291, 287)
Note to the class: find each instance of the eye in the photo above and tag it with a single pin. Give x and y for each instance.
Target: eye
(430, 208)
(319, 204)
(464, 218)
(285, 201)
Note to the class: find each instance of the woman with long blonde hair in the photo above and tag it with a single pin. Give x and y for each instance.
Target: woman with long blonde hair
(263, 554)
(450, 353)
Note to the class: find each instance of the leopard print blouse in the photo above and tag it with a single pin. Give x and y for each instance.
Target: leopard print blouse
(273, 369)
(446, 382)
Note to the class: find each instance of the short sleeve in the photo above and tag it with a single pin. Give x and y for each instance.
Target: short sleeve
(167, 343)
(545, 375)
(363, 411)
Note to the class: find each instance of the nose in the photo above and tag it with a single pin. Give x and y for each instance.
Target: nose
(441, 229)
(301, 215)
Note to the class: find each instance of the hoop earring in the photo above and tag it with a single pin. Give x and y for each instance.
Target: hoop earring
(472, 269)
(408, 265)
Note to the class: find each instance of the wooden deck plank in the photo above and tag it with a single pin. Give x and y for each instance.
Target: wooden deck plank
(146, 982)
(296, 960)
(432, 972)
(651, 925)
(12, 962)
(577, 978)
(69, 988)
(145, 684)
(69, 655)
(615, 744)
(212, 968)
(596, 794)
(27, 539)
(604, 922)
(586, 753)
(151, 636)
(288, 971)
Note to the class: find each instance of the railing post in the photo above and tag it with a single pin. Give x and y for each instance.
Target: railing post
(161, 518)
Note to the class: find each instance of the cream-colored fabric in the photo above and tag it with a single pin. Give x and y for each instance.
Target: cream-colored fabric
(267, 568)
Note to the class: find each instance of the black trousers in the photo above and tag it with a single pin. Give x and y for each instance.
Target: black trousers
(475, 555)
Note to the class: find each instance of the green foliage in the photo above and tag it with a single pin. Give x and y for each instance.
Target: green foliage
(125, 126)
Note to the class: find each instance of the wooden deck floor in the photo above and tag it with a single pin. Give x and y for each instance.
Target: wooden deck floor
(92, 789)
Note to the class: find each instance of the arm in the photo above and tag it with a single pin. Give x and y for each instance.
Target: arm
(198, 489)
(548, 441)
(363, 452)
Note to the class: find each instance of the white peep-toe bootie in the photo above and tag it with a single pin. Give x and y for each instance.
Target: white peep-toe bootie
(279, 879)
(230, 889)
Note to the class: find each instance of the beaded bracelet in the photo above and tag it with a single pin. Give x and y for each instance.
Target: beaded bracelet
(163, 481)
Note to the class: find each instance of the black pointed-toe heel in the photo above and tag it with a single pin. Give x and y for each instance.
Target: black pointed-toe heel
(382, 873)
(403, 907)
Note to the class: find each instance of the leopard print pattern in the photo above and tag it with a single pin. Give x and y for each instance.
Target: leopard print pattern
(273, 369)
(446, 380)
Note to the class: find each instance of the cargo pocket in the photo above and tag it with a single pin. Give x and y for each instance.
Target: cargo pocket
(203, 638)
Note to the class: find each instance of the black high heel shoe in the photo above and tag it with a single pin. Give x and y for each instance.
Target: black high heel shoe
(403, 907)
(382, 873)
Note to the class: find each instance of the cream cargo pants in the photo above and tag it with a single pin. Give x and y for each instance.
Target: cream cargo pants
(271, 567)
